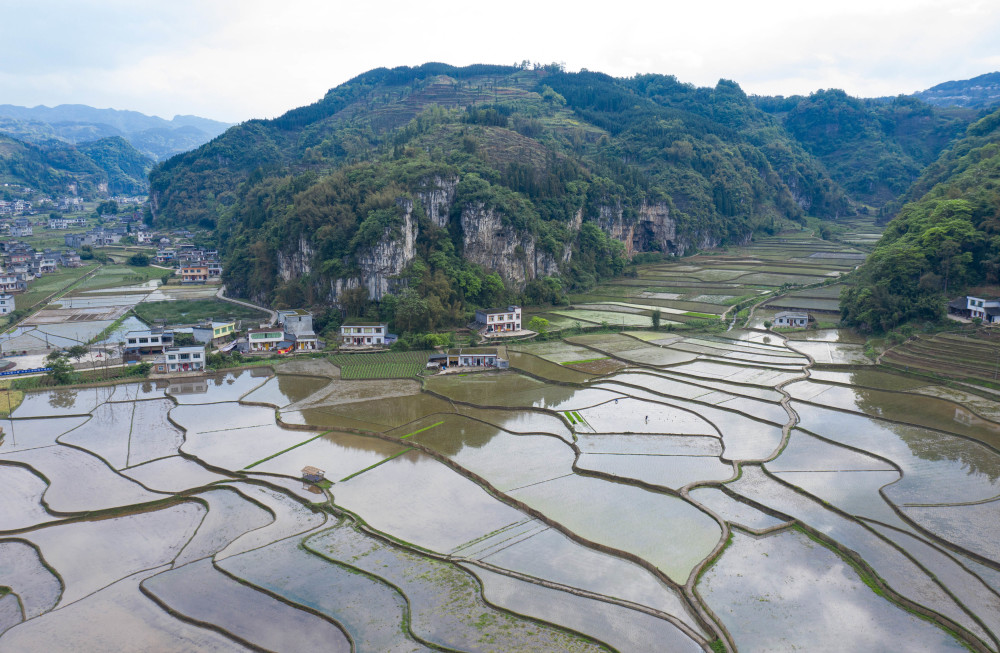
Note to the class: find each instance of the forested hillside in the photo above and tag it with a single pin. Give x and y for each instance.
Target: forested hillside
(874, 148)
(469, 185)
(455, 179)
(941, 243)
(99, 168)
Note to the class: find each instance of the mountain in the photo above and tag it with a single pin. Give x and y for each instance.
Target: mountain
(109, 166)
(77, 123)
(979, 92)
(945, 240)
(873, 148)
(455, 180)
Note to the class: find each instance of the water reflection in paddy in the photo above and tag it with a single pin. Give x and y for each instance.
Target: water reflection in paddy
(785, 592)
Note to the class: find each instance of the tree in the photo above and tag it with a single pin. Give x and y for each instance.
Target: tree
(411, 311)
(139, 260)
(655, 317)
(76, 352)
(538, 324)
(110, 207)
(60, 370)
(768, 324)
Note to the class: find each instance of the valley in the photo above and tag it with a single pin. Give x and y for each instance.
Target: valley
(618, 488)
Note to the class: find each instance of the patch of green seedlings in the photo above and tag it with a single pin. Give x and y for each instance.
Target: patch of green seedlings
(586, 360)
(426, 428)
(371, 467)
(569, 416)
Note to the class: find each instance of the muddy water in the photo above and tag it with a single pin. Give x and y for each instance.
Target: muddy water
(286, 389)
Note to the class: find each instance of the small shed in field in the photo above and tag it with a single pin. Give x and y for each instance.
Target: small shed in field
(312, 474)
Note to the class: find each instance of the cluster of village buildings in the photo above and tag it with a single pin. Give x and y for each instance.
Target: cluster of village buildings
(21, 264)
(293, 332)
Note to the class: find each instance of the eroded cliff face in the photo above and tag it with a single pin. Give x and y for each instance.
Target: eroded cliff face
(387, 258)
(296, 263)
(490, 240)
(650, 228)
(486, 240)
(437, 196)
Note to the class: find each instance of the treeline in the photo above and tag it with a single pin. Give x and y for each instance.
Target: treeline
(938, 245)
(874, 148)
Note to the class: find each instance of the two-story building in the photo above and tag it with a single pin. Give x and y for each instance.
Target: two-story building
(354, 333)
(499, 320)
(194, 274)
(985, 308)
(265, 339)
(6, 304)
(183, 359)
(10, 282)
(149, 341)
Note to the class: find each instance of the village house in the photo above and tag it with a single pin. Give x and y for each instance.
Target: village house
(165, 255)
(213, 332)
(298, 325)
(61, 223)
(363, 334)
(70, 259)
(183, 359)
(985, 308)
(498, 320)
(791, 319)
(10, 283)
(194, 274)
(6, 304)
(21, 227)
(149, 341)
(476, 357)
(265, 339)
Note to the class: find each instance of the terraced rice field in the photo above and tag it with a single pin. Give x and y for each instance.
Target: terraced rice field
(702, 489)
(707, 287)
(632, 491)
(948, 355)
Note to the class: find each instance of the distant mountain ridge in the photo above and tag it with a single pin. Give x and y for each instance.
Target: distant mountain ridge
(108, 166)
(155, 137)
(982, 91)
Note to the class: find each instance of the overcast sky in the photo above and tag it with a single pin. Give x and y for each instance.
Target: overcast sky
(237, 59)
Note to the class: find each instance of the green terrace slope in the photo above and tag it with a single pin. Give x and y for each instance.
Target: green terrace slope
(941, 243)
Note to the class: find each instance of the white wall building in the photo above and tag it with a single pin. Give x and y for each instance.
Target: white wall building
(362, 334)
(495, 320)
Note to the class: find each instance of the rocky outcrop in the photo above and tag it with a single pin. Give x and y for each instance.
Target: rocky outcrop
(491, 243)
(649, 228)
(385, 259)
(297, 262)
(437, 196)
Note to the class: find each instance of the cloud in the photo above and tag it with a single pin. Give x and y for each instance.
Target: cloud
(237, 60)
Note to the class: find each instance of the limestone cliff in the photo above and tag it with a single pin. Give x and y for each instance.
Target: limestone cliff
(385, 259)
(437, 196)
(649, 228)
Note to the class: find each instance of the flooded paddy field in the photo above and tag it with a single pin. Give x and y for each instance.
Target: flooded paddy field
(633, 491)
